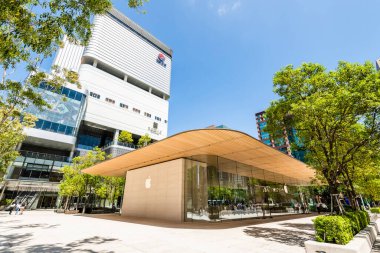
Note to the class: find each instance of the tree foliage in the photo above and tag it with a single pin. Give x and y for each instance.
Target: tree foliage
(144, 140)
(82, 185)
(125, 137)
(11, 134)
(335, 113)
(30, 32)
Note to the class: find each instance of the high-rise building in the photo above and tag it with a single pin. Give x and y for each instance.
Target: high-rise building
(283, 143)
(125, 77)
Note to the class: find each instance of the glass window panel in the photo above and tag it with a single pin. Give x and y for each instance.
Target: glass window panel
(78, 96)
(61, 128)
(46, 125)
(69, 130)
(72, 94)
(54, 127)
(65, 92)
(39, 123)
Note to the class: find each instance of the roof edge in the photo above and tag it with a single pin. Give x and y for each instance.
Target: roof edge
(140, 31)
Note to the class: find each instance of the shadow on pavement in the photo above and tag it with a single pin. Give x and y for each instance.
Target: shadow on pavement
(283, 236)
(77, 246)
(12, 240)
(300, 226)
(225, 224)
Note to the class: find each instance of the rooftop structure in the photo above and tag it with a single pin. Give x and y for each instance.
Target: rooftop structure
(206, 174)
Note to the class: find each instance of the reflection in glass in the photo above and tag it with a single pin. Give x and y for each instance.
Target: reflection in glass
(220, 189)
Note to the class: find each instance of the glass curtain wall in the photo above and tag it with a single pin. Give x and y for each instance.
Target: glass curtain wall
(220, 189)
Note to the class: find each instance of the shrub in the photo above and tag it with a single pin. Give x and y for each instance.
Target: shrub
(375, 210)
(333, 229)
(359, 220)
(355, 221)
(364, 218)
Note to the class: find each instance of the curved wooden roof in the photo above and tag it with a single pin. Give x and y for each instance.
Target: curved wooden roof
(226, 143)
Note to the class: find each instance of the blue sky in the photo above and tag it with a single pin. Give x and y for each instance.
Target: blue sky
(226, 51)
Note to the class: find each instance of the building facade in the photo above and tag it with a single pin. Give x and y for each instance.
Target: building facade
(211, 174)
(283, 143)
(125, 75)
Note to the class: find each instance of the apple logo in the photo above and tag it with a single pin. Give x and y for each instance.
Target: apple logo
(148, 183)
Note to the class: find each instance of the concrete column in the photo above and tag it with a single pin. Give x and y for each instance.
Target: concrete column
(125, 78)
(150, 89)
(116, 136)
(18, 147)
(95, 63)
(72, 152)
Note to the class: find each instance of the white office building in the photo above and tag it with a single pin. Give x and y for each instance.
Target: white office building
(125, 77)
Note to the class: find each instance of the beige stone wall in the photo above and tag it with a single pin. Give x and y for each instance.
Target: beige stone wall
(163, 200)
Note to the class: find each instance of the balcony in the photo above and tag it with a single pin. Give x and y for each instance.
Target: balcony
(37, 166)
(116, 148)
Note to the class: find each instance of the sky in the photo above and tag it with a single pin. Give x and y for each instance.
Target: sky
(225, 52)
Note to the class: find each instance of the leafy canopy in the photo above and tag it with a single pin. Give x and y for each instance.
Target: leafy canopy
(30, 32)
(144, 140)
(125, 137)
(335, 114)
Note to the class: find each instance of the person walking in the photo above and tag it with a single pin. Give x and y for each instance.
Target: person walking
(22, 208)
(18, 205)
(11, 207)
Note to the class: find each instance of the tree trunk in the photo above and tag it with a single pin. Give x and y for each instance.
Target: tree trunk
(67, 202)
(3, 190)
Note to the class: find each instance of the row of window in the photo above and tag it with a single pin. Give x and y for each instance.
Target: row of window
(69, 93)
(93, 94)
(54, 127)
(124, 106)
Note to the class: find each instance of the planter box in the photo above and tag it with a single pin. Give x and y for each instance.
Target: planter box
(362, 242)
(71, 211)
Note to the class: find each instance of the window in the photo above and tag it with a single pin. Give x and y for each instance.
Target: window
(136, 110)
(93, 94)
(157, 118)
(147, 115)
(166, 121)
(123, 106)
(111, 101)
(155, 125)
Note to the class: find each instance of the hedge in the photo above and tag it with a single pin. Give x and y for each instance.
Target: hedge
(375, 210)
(333, 229)
(359, 220)
(340, 229)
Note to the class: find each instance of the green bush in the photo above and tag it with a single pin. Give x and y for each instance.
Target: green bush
(354, 218)
(375, 210)
(359, 220)
(333, 229)
(364, 218)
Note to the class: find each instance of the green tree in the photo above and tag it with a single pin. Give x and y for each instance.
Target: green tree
(78, 184)
(125, 137)
(144, 140)
(10, 136)
(335, 113)
(30, 32)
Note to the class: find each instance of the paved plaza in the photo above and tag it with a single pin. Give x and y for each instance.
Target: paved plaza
(46, 231)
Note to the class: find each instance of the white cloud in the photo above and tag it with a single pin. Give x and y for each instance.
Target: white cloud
(236, 5)
(222, 10)
(224, 7)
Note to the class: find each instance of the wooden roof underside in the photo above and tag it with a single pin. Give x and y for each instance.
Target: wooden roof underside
(229, 144)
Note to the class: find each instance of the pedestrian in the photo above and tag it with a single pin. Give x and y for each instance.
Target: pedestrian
(18, 205)
(22, 208)
(11, 207)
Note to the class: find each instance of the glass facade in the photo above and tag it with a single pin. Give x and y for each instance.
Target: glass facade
(220, 189)
(65, 112)
(38, 166)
